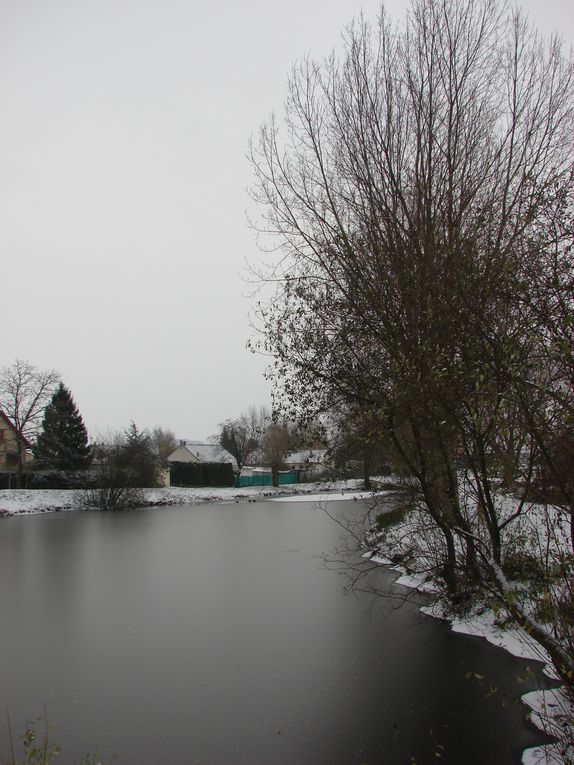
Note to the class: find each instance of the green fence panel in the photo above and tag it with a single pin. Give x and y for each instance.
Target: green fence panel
(243, 481)
(288, 477)
(265, 479)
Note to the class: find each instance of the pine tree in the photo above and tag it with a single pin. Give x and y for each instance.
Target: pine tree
(63, 442)
(138, 458)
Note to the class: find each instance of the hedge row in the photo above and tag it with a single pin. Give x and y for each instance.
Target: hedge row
(201, 474)
(182, 474)
(50, 479)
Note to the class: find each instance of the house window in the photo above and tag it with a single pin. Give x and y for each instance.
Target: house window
(1, 436)
(12, 460)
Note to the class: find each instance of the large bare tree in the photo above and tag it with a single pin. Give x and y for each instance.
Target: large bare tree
(25, 391)
(409, 190)
(242, 436)
(164, 441)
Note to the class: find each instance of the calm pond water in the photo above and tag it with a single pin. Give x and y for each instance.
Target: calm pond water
(212, 634)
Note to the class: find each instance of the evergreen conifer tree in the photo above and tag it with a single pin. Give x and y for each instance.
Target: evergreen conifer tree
(63, 442)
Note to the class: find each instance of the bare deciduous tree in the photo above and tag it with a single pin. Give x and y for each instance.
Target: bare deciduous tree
(275, 446)
(128, 462)
(410, 191)
(25, 392)
(163, 441)
(242, 436)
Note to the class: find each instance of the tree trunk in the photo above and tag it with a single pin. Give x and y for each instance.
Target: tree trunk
(366, 471)
(20, 465)
(562, 661)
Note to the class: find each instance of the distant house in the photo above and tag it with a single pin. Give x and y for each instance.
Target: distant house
(248, 471)
(314, 461)
(9, 446)
(195, 463)
(197, 451)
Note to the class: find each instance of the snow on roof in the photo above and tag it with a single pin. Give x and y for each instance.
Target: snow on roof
(310, 456)
(208, 452)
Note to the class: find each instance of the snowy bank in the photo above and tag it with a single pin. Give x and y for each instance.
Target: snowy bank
(35, 501)
(552, 711)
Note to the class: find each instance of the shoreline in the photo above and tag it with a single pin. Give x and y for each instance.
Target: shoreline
(547, 707)
(27, 502)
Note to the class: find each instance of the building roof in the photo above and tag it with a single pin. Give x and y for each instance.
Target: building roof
(207, 452)
(309, 456)
(12, 427)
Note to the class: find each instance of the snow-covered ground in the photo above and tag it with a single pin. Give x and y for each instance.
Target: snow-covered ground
(331, 496)
(34, 501)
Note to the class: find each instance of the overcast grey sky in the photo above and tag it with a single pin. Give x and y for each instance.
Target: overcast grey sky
(123, 133)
